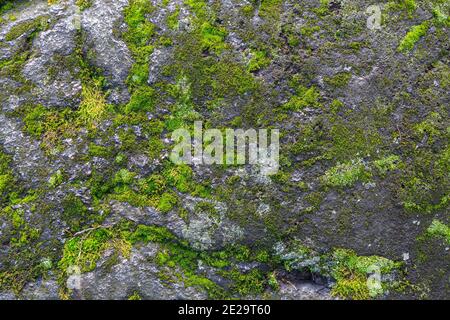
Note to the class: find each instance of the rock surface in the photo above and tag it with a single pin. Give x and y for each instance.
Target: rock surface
(91, 207)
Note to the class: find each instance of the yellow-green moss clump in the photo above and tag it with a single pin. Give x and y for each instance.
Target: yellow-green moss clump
(413, 36)
(440, 230)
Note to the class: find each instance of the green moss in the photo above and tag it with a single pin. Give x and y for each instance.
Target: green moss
(387, 164)
(429, 128)
(213, 37)
(76, 215)
(154, 185)
(323, 9)
(407, 6)
(245, 284)
(142, 100)
(425, 179)
(5, 6)
(315, 199)
(167, 202)
(346, 174)
(32, 26)
(123, 177)
(148, 234)
(173, 18)
(413, 36)
(93, 107)
(247, 10)
(100, 151)
(340, 80)
(308, 31)
(24, 234)
(179, 177)
(56, 179)
(351, 273)
(135, 296)
(128, 139)
(336, 106)
(259, 60)
(49, 125)
(441, 19)
(305, 97)
(5, 182)
(352, 138)
(84, 4)
(440, 230)
(138, 38)
(84, 251)
(6, 177)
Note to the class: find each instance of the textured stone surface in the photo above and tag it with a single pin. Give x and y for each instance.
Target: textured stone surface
(91, 95)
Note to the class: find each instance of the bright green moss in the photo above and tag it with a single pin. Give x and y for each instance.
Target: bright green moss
(213, 37)
(5, 6)
(259, 60)
(141, 100)
(179, 177)
(135, 296)
(441, 19)
(387, 164)
(413, 36)
(305, 98)
(138, 37)
(56, 179)
(244, 284)
(167, 202)
(408, 6)
(23, 233)
(93, 107)
(148, 234)
(6, 176)
(270, 9)
(336, 106)
(199, 7)
(308, 31)
(438, 229)
(352, 272)
(140, 30)
(123, 177)
(346, 174)
(84, 251)
(323, 9)
(100, 151)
